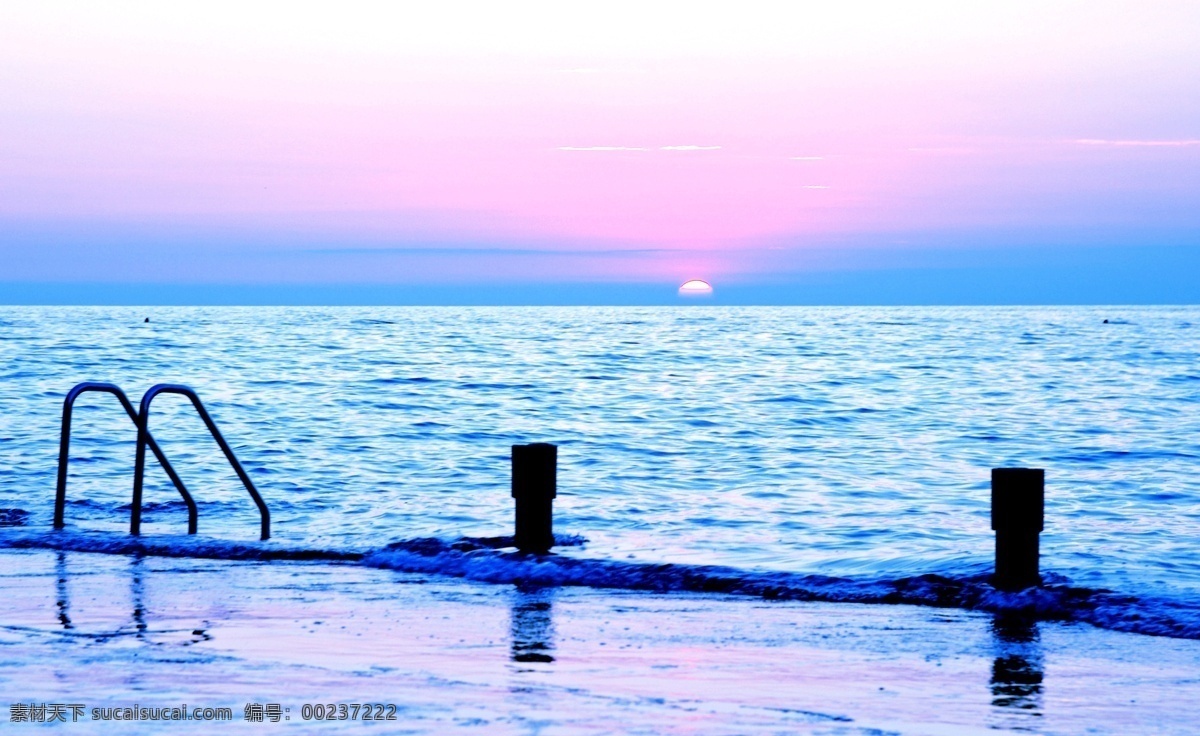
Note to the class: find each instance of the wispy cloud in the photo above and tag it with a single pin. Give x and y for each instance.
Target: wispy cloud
(1156, 143)
(815, 186)
(451, 249)
(808, 158)
(943, 150)
(601, 148)
(690, 148)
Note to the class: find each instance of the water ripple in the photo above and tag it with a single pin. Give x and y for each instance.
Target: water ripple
(814, 441)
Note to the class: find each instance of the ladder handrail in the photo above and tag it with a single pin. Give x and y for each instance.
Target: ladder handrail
(64, 450)
(144, 439)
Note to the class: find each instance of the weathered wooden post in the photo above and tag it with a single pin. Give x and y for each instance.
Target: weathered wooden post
(534, 486)
(1018, 509)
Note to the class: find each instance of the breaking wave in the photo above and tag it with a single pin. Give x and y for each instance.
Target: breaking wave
(493, 560)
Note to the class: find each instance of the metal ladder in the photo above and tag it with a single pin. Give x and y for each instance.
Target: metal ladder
(141, 419)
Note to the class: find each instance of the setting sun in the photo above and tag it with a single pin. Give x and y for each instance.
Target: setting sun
(696, 287)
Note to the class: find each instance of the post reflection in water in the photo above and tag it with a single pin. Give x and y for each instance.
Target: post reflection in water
(532, 625)
(1017, 670)
(62, 601)
(137, 594)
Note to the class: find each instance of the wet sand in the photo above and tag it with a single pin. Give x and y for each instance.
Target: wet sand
(458, 656)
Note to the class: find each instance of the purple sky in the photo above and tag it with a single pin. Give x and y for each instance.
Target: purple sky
(564, 143)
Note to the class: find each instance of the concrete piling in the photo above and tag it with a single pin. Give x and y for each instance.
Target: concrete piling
(1018, 510)
(534, 486)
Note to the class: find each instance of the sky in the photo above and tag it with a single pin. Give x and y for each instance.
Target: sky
(524, 152)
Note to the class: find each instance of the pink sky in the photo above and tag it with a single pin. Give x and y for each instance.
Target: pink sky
(700, 140)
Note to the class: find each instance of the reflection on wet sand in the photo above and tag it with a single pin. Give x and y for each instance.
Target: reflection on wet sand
(531, 625)
(62, 602)
(139, 615)
(1018, 667)
(137, 595)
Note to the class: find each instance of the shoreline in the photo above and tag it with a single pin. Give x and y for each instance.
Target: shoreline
(454, 654)
(493, 561)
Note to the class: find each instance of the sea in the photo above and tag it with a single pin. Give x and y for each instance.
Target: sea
(802, 453)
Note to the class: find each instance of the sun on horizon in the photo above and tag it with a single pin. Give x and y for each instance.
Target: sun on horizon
(696, 287)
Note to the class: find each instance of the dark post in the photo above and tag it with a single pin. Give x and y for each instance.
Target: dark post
(1018, 501)
(534, 486)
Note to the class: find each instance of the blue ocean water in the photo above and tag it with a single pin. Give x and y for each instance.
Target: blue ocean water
(833, 453)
